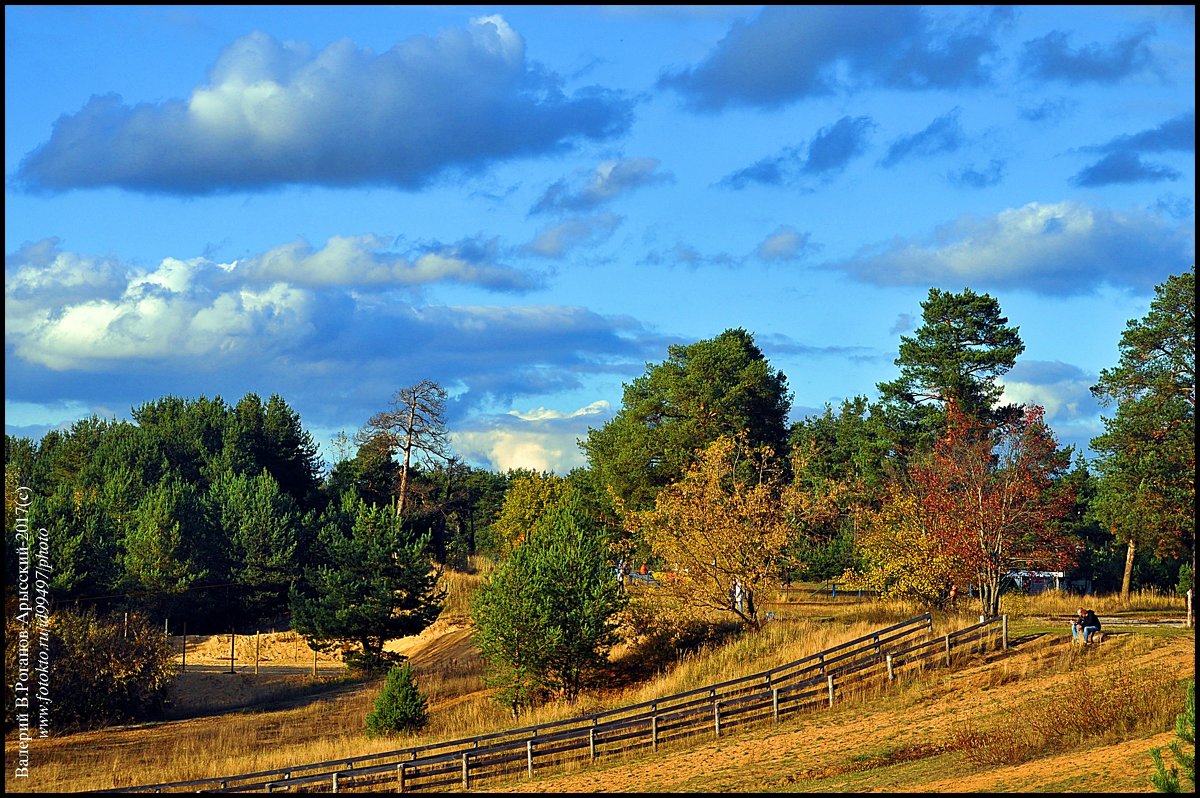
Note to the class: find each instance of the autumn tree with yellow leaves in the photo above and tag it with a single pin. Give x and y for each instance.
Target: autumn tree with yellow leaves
(722, 522)
(902, 556)
(528, 498)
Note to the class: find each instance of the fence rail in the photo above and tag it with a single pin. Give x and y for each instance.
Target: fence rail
(807, 684)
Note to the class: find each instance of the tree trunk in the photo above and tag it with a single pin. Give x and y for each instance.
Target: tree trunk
(1128, 577)
(989, 597)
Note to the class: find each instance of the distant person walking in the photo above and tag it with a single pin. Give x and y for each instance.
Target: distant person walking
(738, 595)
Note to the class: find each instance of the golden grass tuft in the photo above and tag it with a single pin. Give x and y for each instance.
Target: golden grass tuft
(1108, 703)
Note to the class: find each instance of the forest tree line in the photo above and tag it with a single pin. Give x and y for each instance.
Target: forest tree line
(218, 516)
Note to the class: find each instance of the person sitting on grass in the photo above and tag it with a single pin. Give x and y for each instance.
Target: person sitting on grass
(1077, 625)
(1091, 625)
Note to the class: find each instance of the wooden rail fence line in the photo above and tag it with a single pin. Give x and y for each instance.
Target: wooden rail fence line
(806, 685)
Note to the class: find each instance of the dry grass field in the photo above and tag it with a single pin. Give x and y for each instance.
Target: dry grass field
(1009, 723)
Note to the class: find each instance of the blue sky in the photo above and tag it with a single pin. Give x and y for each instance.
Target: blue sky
(529, 204)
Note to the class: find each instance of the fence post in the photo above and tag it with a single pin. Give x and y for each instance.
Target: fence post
(232, 637)
(592, 741)
(775, 704)
(947, 649)
(829, 681)
(654, 730)
(529, 757)
(891, 673)
(717, 718)
(257, 649)
(400, 774)
(1004, 633)
(334, 780)
(466, 780)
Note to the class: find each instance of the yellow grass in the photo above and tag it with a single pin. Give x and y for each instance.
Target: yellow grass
(332, 727)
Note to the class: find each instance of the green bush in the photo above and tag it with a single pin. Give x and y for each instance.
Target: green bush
(399, 707)
(101, 670)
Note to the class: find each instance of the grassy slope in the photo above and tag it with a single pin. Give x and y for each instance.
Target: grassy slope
(898, 742)
(904, 741)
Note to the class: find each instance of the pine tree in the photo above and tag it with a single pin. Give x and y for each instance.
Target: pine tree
(544, 619)
(375, 582)
(399, 707)
(1167, 779)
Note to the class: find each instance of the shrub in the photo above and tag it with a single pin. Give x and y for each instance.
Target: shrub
(106, 670)
(399, 707)
(1109, 704)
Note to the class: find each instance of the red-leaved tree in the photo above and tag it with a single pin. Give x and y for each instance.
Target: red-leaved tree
(992, 496)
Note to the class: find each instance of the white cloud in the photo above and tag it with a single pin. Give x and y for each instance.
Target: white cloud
(541, 439)
(1061, 248)
(545, 414)
(1064, 392)
(277, 113)
(786, 243)
(363, 262)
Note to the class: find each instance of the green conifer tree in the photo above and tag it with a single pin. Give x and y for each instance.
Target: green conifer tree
(1166, 779)
(399, 707)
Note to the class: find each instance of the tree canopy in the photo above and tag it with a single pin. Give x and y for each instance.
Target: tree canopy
(374, 583)
(1147, 454)
(962, 347)
(721, 386)
(545, 619)
(723, 522)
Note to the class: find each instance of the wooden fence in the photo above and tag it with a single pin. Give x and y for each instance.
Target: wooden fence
(788, 690)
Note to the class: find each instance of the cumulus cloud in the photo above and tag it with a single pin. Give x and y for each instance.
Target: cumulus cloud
(1051, 57)
(1064, 391)
(788, 53)
(66, 311)
(274, 113)
(173, 312)
(363, 262)
(540, 439)
(609, 180)
(1058, 249)
(195, 327)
